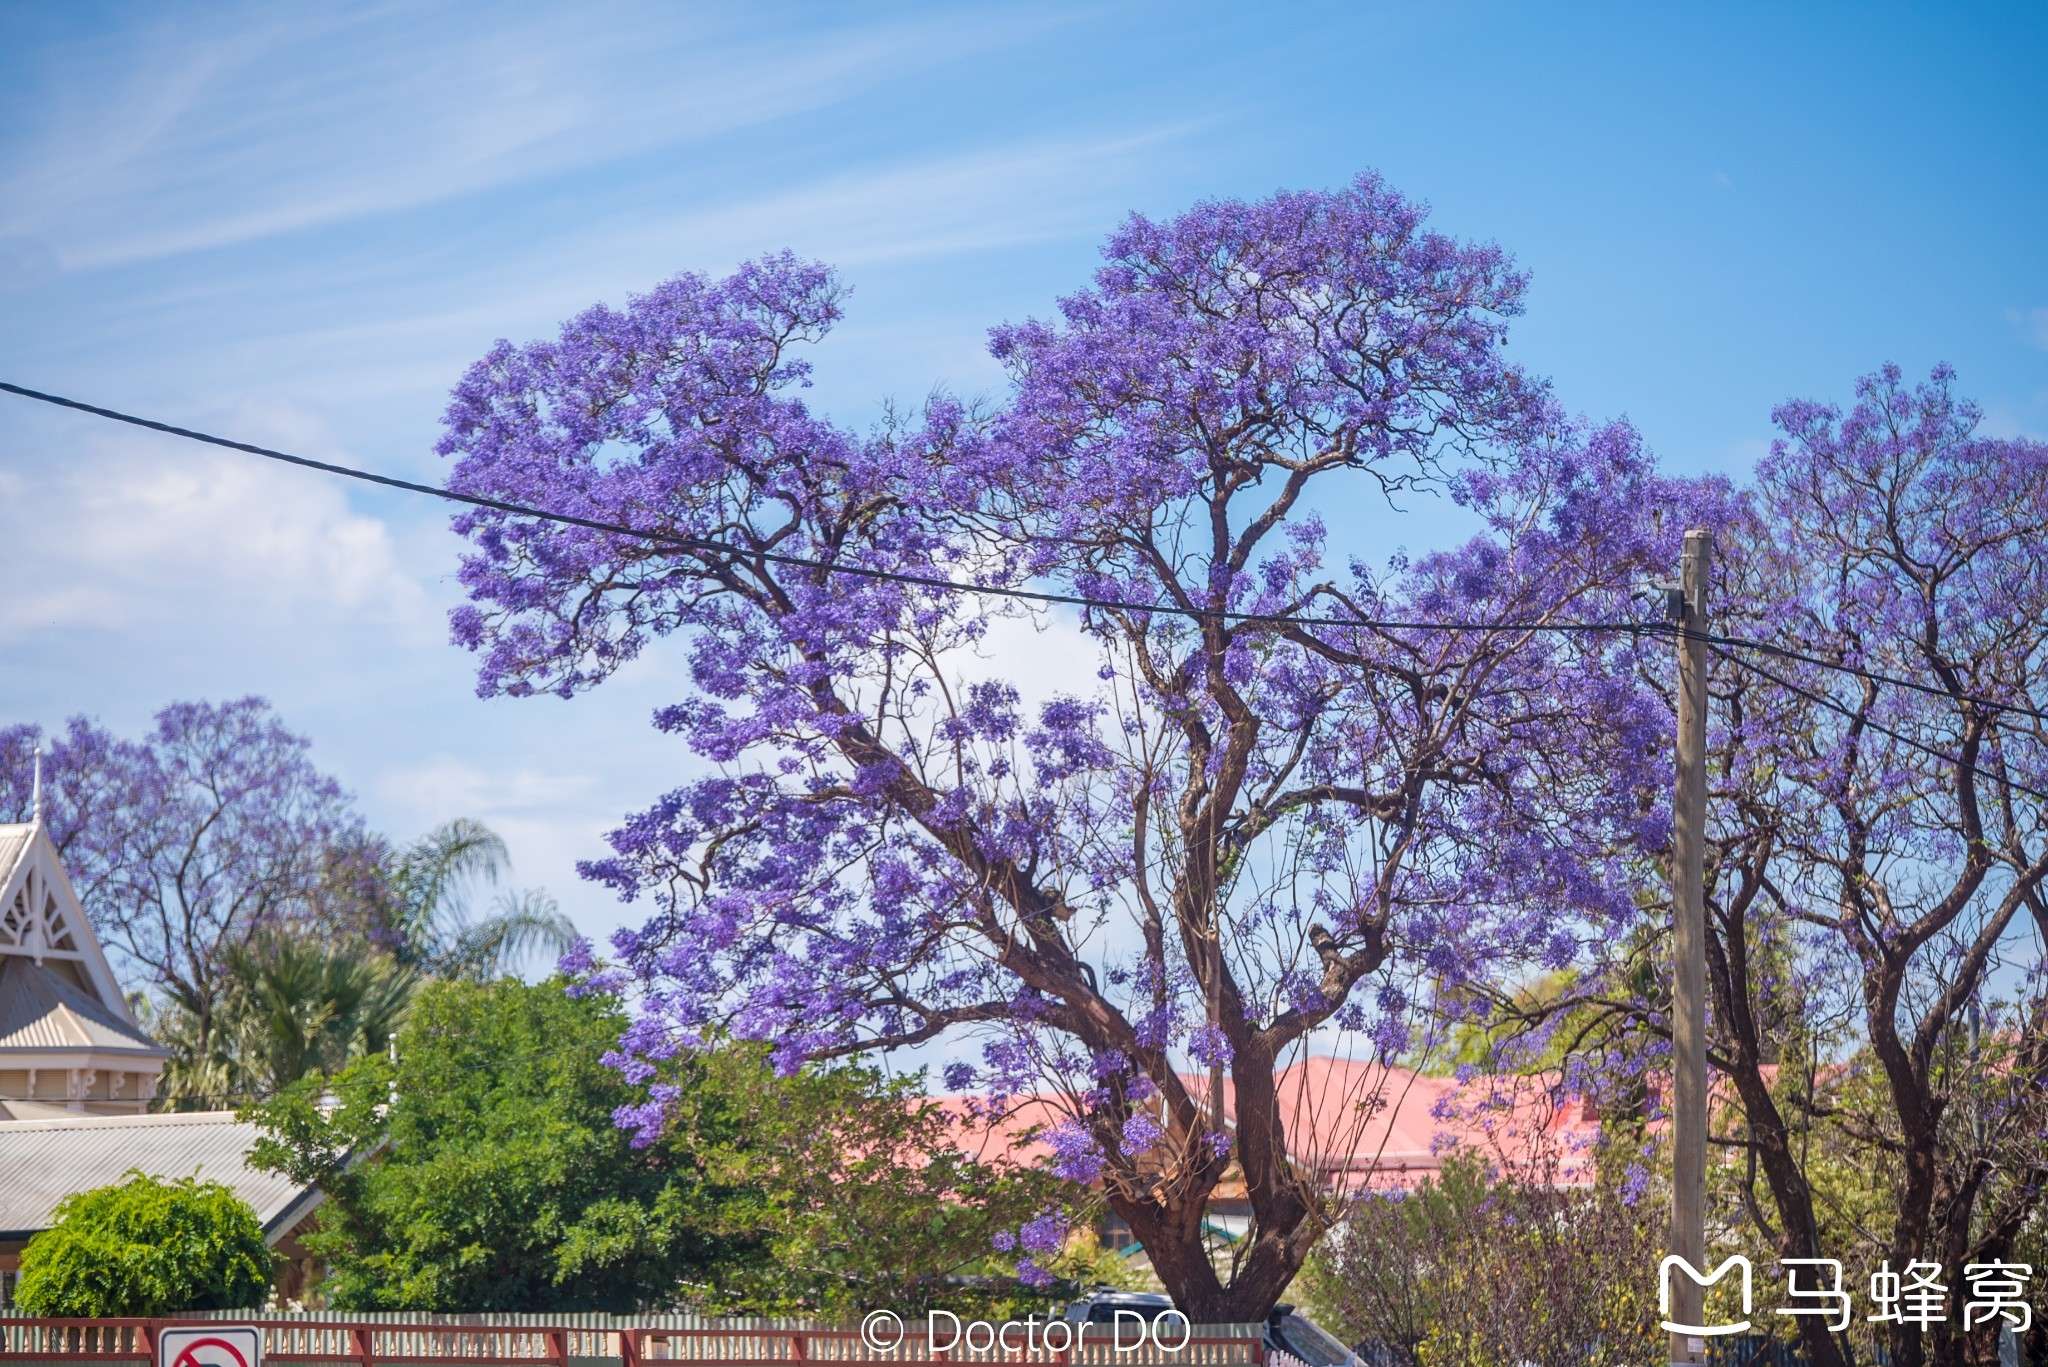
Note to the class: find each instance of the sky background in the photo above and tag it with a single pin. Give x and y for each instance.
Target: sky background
(297, 224)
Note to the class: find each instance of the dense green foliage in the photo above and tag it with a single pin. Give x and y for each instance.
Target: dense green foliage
(856, 1188)
(501, 1183)
(499, 1180)
(309, 994)
(146, 1247)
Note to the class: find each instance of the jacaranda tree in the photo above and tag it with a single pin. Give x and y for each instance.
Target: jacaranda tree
(1877, 870)
(185, 844)
(1275, 798)
(204, 849)
(1878, 882)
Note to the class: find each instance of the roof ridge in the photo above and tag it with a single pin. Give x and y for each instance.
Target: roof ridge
(72, 1021)
(102, 1122)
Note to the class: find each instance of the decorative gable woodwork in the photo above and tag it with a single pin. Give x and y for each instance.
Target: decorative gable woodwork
(68, 1041)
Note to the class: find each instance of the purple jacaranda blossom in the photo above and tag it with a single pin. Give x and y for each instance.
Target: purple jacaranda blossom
(1036, 1240)
(1142, 1134)
(587, 974)
(1044, 1234)
(1219, 835)
(1209, 1046)
(1075, 1154)
(182, 845)
(1879, 849)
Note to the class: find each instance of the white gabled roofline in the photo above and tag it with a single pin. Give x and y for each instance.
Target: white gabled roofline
(39, 853)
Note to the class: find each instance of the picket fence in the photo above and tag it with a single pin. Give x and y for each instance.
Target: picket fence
(588, 1340)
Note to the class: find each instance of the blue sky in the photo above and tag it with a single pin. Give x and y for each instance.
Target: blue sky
(297, 224)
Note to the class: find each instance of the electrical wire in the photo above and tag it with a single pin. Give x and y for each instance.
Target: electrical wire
(711, 546)
(1870, 675)
(1825, 701)
(715, 547)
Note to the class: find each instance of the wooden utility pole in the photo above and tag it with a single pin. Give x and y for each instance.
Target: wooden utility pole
(1689, 952)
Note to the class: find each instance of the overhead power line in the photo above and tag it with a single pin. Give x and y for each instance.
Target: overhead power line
(708, 545)
(1823, 700)
(715, 547)
(1870, 675)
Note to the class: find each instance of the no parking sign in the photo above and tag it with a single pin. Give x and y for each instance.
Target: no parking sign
(214, 1345)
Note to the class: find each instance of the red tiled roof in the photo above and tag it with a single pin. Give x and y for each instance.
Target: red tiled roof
(1364, 1124)
(1359, 1123)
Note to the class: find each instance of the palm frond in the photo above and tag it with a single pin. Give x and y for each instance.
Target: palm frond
(433, 876)
(524, 922)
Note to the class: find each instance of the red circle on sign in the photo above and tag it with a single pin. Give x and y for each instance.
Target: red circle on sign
(186, 1359)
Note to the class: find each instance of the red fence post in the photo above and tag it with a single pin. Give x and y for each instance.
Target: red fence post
(629, 1347)
(365, 1347)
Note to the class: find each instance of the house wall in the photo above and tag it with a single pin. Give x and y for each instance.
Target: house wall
(299, 1273)
(98, 1091)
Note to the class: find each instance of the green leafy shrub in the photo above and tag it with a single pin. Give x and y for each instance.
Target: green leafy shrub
(146, 1247)
(501, 1179)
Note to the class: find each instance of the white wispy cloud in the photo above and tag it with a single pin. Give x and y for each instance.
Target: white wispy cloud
(197, 135)
(412, 326)
(991, 197)
(983, 200)
(2035, 323)
(109, 531)
(552, 817)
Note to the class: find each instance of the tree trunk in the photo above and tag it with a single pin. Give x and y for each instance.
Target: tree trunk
(1171, 1229)
(1798, 1233)
(1918, 1140)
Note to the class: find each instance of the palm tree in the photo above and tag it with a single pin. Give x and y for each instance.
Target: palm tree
(304, 1009)
(307, 996)
(426, 906)
(292, 1008)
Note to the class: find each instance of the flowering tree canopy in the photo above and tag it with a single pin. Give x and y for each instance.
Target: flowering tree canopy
(1877, 876)
(1885, 847)
(1275, 797)
(184, 844)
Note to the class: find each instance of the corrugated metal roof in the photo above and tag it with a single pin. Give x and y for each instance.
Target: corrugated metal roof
(40, 1010)
(43, 1161)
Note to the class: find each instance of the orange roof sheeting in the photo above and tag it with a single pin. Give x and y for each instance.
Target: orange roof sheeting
(1359, 1124)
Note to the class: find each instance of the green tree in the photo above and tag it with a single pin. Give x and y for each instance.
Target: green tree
(146, 1247)
(500, 1181)
(1480, 1269)
(854, 1184)
(307, 996)
(292, 1008)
